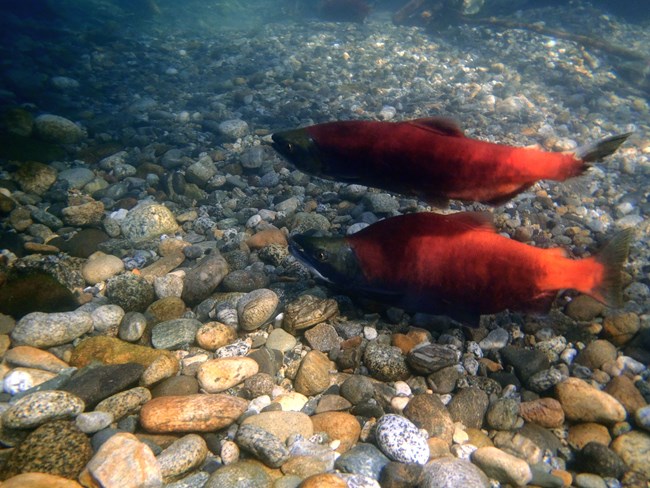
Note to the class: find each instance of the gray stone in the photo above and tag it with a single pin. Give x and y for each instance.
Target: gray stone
(76, 177)
(429, 358)
(381, 203)
(469, 406)
(181, 456)
(357, 388)
(202, 279)
(132, 326)
(46, 330)
(263, 445)
(233, 129)
(41, 407)
(91, 422)
(322, 337)
(174, 334)
(94, 383)
(233, 475)
(131, 292)
(503, 414)
(147, 221)
(386, 363)
(280, 340)
(363, 459)
(56, 129)
(452, 473)
(526, 362)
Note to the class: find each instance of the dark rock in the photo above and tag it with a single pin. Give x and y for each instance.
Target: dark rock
(363, 459)
(202, 280)
(35, 292)
(428, 412)
(357, 389)
(82, 244)
(176, 386)
(131, 292)
(503, 414)
(400, 475)
(526, 362)
(94, 383)
(429, 358)
(469, 406)
(599, 459)
(269, 360)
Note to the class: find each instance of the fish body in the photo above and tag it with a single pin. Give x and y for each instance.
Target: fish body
(458, 265)
(430, 158)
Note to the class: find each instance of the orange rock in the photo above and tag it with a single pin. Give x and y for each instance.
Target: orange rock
(305, 466)
(545, 412)
(32, 357)
(622, 388)
(313, 377)
(491, 366)
(39, 480)
(565, 476)
(582, 434)
(323, 481)
(404, 342)
(338, 425)
(265, 238)
(191, 413)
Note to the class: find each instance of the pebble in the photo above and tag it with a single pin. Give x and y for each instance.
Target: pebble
(497, 339)
(291, 401)
(182, 456)
(307, 311)
(57, 129)
(106, 319)
(85, 214)
(110, 350)
(176, 386)
(545, 412)
(596, 354)
(91, 422)
(526, 362)
(364, 459)
(385, 363)
(503, 414)
(313, 374)
(582, 402)
(263, 445)
(619, 329)
(43, 406)
(580, 435)
(429, 358)
(452, 473)
(501, 466)
(280, 340)
(122, 461)
(586, 480)
(203, 279)
(427, 412)
(642, 417)
(468, 406)
(322, 337)
(325, 480)
(146, 221)
(329, 403)
(174, 334)
(22, 379)
(131, 292)
(213, 335)
(583, 308)
(44, 330)
(253, 472)
(622, 388)
(599, 459)
(633, 448)
(340, 426)
(132, 326)
(191, 413)
(124, 403)
(95, 383)
(39, 480)
(267, 237)
(257, 308)
(233, 128)
(217, 375)
(401, 440)
(100, 267)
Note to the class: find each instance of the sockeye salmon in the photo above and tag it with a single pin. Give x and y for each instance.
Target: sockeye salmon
(458, 265)
(430, 158)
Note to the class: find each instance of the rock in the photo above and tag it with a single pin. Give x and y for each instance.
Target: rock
(642, 417)
(263, 445)
(110, 350)
(241, 474)
(601, 460)
(381, 202)
(233, 129)
(634, 449)
(122, 461)
(468, 406)
(201, 280)
(364, 459)
(322, 337)
(169, 308)
(427, 412)
(91, 422)
(583, 308)
(619, 329)
(596, 354)
(125, 403)
(132, 326)
(76, 178)
(582, 402)
(39, 480)
(40, 407)
(34, 177)
(164, 265)
(244, 280)
(280, 340)
(266, 237)
(22, 379)
(545, 412)
(131, 292)
(174, 334)
(526, 362)
(324, 480)
(503, 414)
(147, 221)
(501, 466)
(340, 426)
(307, 311)
(86, 214)
(400, 475)
(385, 363)
(101, 267)
(313, 374)
(58, 130)
(357, 388)
(39, 329)
(282, 424)
(182, 456)
(216, 375)
(83, 244)
(582, 434)
(32, 357)
(176, 386)
(586, 480)
(56, 448)
(95, 383)
(401, 440)
(452, 473)
(213, 335)
(622, 388)
(332, 403)
(257, 308)
(193, 413)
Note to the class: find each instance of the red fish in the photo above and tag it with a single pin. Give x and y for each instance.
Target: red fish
(430, 158)
(458, 265)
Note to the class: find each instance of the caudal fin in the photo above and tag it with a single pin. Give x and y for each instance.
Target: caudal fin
(612, 257)
(601, 149)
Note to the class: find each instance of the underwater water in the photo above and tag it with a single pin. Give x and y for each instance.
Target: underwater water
(105, 104)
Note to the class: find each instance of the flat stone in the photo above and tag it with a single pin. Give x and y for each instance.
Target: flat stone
(216, 375)
(283, 424)
(401, 440)
(313, 374)
(364, 459)
(588, 480)
(307, 311)
(257, 308)
(43, 406)
(93, 384)
(452, 473)
(428, 358)
(110, 350)
(176, 386)
(501, 466)
(332, 403)
(191, 413)
(280, 340)
(341, 426)
(582, 434)
(582, 402)
(44, 330)
(182, 456)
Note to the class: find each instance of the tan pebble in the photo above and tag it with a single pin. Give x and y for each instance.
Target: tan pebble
(39, 480)
(403, 342)
(338, 425)
(36, 248)
(164, 309)
(545, 412)
(213, 335)
(161, 440)
(125, 403)
(217, 375)
(437, 448)
(291, 401)
(100, 267)
(283, 424)
(518, 445)
(122, 461)
(581, 434)
(565, 476)
(265, 238)
(161, 368)
(183, 455)
(619, 329)
(305, 466)
(307, 311)
(5, 342)
(257, 308)
(191, 413)
(634, 450)
(229, 452)
(162, 266)
(420, 335)
(172, 246)
(398, 404)
(582, 402)
(622, 388)
(313, 375)
(323, 481)
(33, 357)
(478, 438)
(492, 366)
(500, 465)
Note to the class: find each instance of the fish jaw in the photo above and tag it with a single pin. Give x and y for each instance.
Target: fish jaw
(329, 258)
(298, 147)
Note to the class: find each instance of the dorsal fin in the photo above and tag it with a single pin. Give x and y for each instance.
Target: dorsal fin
(443, 125)
(474, 220)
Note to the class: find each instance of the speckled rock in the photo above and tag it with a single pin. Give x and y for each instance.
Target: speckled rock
(503, 414)
(213, 335)
(545, 412)
(216, 375)
(131, 292)
(91, 422)
(452, 473)
(101, 267)
(263, 445)
(501, 466)
(88, 213)
(57, 129)
(634, 449)
(582, 402)
(282, 424)
(322, 337)
(106, 319)
(182, 456)
(601, 460)
(34, 177)
(174, 334)
(469, 406)
(427, 412)
(110, 350)
(257, 308)
(338, 425)
(232, 475)
(40, 407)
(57, 448)
(46, 330)
(147, 221)
(313, 374)
(202, 279)
(244, 280)
(125, 403)
(233, 128)
(385, 363)
(401, 440)
(191, 413)
(122, 461)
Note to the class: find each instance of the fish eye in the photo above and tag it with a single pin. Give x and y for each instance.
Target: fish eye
(321, 255)
(289, 147)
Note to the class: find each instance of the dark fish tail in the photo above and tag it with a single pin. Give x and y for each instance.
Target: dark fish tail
(612, 257)
(601, 149)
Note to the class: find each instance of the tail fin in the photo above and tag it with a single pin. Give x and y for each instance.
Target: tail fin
(612, 257)
(601, 149)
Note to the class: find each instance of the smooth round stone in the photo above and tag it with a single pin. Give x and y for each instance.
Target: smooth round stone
(546, 379)
(131, 292)
(57, 448)
(22, 379)
(40, 407)
(501, 466)
(106, 319)
(39, 480)
(624, 390)
(633, 449)
(642, 417)
(93, 384)
(291, 401)
(596, 354)
(147, 221)
(401, 440)
(76, 177)
(324, 480)
(385, 363)
(340, 426)
(280, 340)
(122, 461)
(587, 480)
(332, 403)
(203, 278)
(257, 308)
(322, 337)
(357, 388)
(381, 202)
(216, 375)
(259, 384)
(364, 459)
(176, 386)
(582, 402)
(267, 237)
(307, 311)
(213, 335)
(191, 413)
(91, 422)
(583, 308)
(546, 412)
(57, 129)
(165, 309)
(43, 330)
(101, 267)
(283, 424)
(232, 475)
(619, 329)
(233, 128)
(427, 412)
(263, 445)
(32, 357)
(580, 435)
(468, 406)
(503, 414)
(496, 339)
(313, 377)
(181, 456)
(174, 334)
(132, 326)
(170, 285)
(125, 403)
(452, 473)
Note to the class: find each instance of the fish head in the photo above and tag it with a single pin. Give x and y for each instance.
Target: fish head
(330, 258)
(299, 148)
